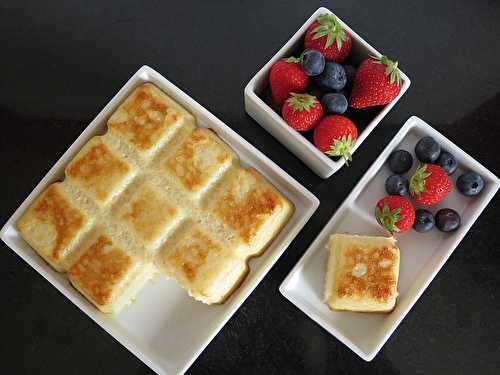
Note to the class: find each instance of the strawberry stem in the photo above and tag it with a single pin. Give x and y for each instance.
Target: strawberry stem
(342, 147)
(330, 27)
(388, 218)
(391, 69)
(301, 102)
(417, 181)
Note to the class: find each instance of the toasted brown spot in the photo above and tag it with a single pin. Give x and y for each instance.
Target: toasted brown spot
(99, 269)
(55, 210)
(148, 213)
(143, 118)
(378, 282)
(98, 170)
(246, 212)
(190, 255)
(197, 159)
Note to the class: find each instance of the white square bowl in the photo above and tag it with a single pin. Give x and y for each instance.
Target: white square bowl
(170, 336)
(422, 254)
(320, 163)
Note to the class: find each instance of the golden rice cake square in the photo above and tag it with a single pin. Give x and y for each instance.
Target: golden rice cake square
(52, 226)
(109, 276)
(149, 214)
(98, 171)
(147, 118)
(362, 273)
(252, 208)
(199, 160)
(208, 267)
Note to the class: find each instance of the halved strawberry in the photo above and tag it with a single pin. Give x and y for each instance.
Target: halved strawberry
(327, 36)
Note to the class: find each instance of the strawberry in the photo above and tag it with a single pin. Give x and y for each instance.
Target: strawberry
(395, 213)
(377, 82)
(286, 76)
(429, 184)
(335, 136)
(327, 36)
(302, 111)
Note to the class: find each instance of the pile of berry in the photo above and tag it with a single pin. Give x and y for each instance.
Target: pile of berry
(429, 185)
(315, 90)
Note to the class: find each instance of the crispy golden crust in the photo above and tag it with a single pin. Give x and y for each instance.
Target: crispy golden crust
(97, 170)
(148, 213)
(200, 156)
(246, 203)
(189, 256)
(144, 118)
(51, 223)
(379, 281)
(100, 269)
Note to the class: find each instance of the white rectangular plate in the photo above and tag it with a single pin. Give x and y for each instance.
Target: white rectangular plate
(320, 163)
(170, 336)
(422, 254)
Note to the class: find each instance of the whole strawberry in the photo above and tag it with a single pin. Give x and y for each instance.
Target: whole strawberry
(395, 213)
(429, 184)
(286, 76)
(327, 36)
(302, 111)
(377, 82)
(335, 136)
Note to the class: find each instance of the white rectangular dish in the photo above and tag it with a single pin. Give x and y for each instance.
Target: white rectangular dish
(320, 163)
(422, 254)
(169, 337)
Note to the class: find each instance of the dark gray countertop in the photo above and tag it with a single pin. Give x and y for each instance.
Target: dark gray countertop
(61, 61)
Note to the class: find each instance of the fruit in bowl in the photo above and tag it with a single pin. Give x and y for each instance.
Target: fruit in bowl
(326, 71)
(395, 213)
(335, 135)
(429, 184)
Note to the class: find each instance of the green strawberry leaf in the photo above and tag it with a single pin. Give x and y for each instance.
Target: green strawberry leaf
(388, 218)
(342, 147)
(330, 27)
(417, 181)
(292, 59)
(301, 102)
(391, 69)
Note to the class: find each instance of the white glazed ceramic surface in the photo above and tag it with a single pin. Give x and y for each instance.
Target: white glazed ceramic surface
(422, 254)
(164, 327)
(320, 163)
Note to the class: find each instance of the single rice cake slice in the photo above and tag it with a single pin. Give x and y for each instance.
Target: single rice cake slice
(252, 208)
(207, 266)
(199, 161)
(52, 226)
(99, 171)
(147, 118)
(149, 214)
(362, 273)
(109, 276)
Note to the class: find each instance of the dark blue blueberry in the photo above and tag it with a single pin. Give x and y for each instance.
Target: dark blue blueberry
(470, 184)
(334, 103)
(424, 221)
(447, 220)
(427, 150)
(350, 72)
(400, 161)
(314, 90)
(312, 62)
(333, 77)
(397, 185)
(447, 161)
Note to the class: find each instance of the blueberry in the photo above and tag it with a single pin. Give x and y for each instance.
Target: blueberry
(334, 103)
(314, 90)
(333, 77)
(424, 221)
(470, 184)
(312, 62)
(427, 150)
(447, 161)
(397, 185)
(400, 161)
(350, 72)
(447, 220)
